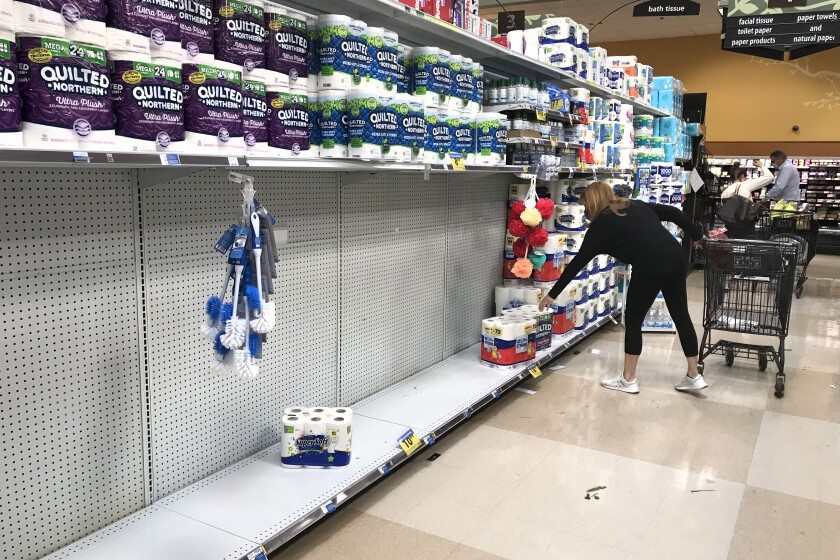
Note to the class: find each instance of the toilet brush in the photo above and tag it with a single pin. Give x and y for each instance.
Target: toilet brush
(261, 322)
(209, 328)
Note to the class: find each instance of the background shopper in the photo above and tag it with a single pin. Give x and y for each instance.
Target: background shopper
(787, 179)
(742, 186)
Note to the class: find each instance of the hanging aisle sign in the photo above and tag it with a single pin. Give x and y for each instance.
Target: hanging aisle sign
(801, 27)
(666, 8)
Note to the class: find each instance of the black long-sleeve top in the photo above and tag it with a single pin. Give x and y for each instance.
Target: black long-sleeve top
(637, 239)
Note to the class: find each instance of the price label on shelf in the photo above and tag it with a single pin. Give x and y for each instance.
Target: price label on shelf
(540, 114)
(557, 105)
(553, 140)
(81, 157)
(170, 159)
(259, 554)
(458, 164)
(409, 442)
(535, 371)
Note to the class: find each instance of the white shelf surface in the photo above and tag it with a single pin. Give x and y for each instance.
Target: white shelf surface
(156, 533)
(259, 502)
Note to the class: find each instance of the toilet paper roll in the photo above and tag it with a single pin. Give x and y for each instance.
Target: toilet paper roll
(84, 22)
(7, 15)
(502, 295)
(346, 412)
(315, 426)
(517, 296)
(581, 315)
(294, 411)
(340, 432)
(516, 38)
(36, 19)
(532, 296)
(275, 79)
(126, 41)
(294, 427)
(532, 42)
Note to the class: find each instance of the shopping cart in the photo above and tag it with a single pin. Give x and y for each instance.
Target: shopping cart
(799, 227)
(748, 289)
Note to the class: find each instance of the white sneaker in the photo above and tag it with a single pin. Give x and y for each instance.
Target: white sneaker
(618, 383)
(691, 383)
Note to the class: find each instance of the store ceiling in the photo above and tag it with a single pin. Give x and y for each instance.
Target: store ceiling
(621, 26)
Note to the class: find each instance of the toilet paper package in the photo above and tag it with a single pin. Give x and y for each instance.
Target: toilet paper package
(555, 259)
(491, 138)
(197, 37)
(463, 85)
(559, 30)
(333, 123)
(383, 51)
(564, 310)
(404, 69)
(213, 107)
(288, 122)
(36, 17)
(412, 134)
(439, 132)
(431, 75)
(65, 89)
(240, 33)
(84, 22)
(317, 437)
(572, 217)
(287, 48)
(463, 138)
(148, 100)
(508, 341)
(7, 15)
(10, 134)
(563, 56)
(343, 52)
(133, 24)
(314, 108)
(532, 42)
(372, 121)
(255, 117)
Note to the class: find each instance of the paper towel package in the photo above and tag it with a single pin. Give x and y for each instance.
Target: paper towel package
(65, 90)
(316, 437)
(10, 134)
(148, 102)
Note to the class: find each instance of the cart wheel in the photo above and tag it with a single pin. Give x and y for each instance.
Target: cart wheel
(762, 360)
(780, 389)
(799, 289)
(730, 357)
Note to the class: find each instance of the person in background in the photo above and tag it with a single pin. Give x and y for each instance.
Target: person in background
(632, 232)
(787, 180)
(742, 186)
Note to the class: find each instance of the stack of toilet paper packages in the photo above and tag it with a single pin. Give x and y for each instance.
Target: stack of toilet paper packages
(637, 79)
(563, 43)
(516, 335)
(316, 437)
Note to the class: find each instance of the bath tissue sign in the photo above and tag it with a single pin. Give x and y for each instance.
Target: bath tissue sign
(666, 8)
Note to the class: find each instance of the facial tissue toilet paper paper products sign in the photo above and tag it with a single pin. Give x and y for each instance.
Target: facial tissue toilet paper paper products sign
(148, 105)
(66, 92)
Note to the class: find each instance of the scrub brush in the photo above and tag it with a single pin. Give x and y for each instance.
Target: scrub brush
(263, 320)
(221, 351)
(244, 365)
(214, 308)
(235, 327)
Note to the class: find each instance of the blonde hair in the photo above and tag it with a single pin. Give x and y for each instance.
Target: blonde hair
(599, 196)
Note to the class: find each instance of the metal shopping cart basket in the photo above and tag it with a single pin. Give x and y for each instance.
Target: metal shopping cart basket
(748, 289)
(801, 228)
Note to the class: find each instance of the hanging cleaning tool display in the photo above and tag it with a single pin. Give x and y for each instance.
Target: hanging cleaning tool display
(238, 328)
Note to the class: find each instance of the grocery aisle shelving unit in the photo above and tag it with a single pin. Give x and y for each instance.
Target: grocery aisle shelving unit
(255, 503)
(109, 264)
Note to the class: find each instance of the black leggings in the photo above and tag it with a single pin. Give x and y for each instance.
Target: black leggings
(641, 295)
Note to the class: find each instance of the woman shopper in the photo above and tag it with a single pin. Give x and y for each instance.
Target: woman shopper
(742, 186)
(632, 232)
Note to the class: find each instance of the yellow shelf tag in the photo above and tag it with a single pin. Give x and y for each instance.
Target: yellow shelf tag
(535, 371)
(540, 114)
(409, 442)
(458, 164)
(553, 140)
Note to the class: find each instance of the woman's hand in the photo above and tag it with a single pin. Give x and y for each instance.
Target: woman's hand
(757, 163)
(546, 302)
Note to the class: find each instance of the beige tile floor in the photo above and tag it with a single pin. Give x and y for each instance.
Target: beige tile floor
(732, 473)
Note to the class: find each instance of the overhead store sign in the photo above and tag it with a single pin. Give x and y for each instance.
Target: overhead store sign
(762, 28)
(663, 8)
(511, 21)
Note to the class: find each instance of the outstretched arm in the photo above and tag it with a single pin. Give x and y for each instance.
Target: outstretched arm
(676, 216)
